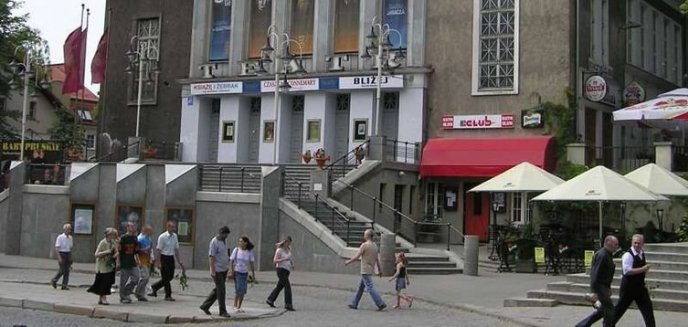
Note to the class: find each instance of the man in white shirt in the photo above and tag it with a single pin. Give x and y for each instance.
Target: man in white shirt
(167, 251)
(633, 283)
(63, 251)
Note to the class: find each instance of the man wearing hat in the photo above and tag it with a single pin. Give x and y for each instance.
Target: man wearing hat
(219, 265)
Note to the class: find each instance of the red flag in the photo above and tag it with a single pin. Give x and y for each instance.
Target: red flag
(99, 63)
(73, 64)
(82, 58)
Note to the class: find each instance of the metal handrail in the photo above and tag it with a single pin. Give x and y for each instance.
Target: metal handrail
(206, 168)
(344, 160)
(395, 144)
(124, 150)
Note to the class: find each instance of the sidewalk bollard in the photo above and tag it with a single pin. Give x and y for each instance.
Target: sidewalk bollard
(387, 250)
(470, 255)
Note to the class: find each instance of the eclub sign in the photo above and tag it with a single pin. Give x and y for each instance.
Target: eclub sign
(478, 121)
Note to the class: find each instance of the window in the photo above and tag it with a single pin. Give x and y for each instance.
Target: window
(261, 13)
(678, 55)
(390, 100)
(90, 141)
(302, 13)
(599, 29)
(412, 191)
(495, 47)
(32, 110)
(394, 14)
(516, 208)
(85, 115)
(148, 32)
(220, 30)
(346, 23)
(381, 196)
(313, 130)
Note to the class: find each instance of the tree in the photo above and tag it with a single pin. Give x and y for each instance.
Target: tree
(14, 32)
(684, 7)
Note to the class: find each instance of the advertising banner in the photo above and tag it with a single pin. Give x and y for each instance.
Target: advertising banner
(478, 121)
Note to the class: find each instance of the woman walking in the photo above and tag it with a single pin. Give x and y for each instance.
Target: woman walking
(106, 263)
(284, 265)
(241, 261)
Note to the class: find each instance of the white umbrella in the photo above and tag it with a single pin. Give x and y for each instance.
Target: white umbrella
(523, 177)
(599, 184)
(667, 106)
(659, 180)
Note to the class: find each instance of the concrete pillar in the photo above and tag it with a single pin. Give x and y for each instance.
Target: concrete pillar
(376, 148)
(663, 155)
(12, 232)
(271, 185)
(320, 183)
(470, 254)
(575, 153)
(387, 250)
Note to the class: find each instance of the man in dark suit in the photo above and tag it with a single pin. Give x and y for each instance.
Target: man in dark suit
(601, 276)
(633, 283)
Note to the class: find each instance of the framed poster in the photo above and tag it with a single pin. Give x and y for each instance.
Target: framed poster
(268, 131)
(313, 131)
(228, 131)
(82, 218)
(360, 129)
(184, 219)
(127, 213)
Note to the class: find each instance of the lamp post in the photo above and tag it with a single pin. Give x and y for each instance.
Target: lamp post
(386, 57)
(25, 71)
(143, 57)
(272, 55)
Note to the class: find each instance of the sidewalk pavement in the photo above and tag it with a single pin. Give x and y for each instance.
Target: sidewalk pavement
(24, 280)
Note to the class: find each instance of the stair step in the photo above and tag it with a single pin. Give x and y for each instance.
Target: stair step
(419, 264)
(528, 302)
(414, 259)
(667, 256)
(579, 299)
(668, 294)
(433, 271)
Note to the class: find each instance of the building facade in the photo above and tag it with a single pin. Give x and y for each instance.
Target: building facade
(233, 112)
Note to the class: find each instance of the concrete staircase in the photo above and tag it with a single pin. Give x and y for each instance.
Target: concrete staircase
(423, 264)
(350, 232)
(667, 281)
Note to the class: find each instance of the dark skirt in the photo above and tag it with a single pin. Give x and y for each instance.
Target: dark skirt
(101, 286)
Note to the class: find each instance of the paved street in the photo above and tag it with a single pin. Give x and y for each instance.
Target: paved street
(320, 300)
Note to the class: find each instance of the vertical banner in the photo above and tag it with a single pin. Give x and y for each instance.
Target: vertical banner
(260, 19)
(394, 14)
(588, 258)
(221, 28)
(539, 255)
(303, 12)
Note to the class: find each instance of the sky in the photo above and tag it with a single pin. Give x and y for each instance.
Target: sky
(55, 19)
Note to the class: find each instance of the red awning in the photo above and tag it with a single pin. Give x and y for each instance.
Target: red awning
(484, 157)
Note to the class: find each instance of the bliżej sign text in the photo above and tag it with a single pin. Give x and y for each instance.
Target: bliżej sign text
(478, 121)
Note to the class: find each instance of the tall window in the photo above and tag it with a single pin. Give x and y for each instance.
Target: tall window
(90, 141)
(32, 110)
(516, 208)
(495, 47)
(678, 67)
(302, 14)
(394, 14)
(220, 30)
(148, 32)
(261, 16)
(346, 24)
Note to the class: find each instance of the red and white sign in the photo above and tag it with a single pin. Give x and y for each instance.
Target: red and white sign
(302, 84)
(478, 121)
(633, 94)
(595, 88)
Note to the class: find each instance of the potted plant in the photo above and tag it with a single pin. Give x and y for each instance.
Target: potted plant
(306, 156)
(149, 152)
(74, 153)
(321, 158)
(359, 153)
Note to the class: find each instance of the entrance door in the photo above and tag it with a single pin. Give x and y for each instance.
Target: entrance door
(254, 128)
(476, 213)
(390, 115)
(341, 126)
(214, 130)
(296, 143)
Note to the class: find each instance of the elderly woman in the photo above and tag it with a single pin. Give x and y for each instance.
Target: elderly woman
(106, 262)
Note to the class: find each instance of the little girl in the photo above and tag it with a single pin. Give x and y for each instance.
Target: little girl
(241, 261)
(402, 279)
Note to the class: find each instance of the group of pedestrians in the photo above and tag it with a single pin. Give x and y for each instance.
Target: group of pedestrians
(632, 288)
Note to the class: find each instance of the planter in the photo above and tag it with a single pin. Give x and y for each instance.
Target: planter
(150, 153)
(306, 159)
(321, 162)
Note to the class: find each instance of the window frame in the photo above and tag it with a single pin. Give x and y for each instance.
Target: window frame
(211, 27)
(475, 79)
(132, 92)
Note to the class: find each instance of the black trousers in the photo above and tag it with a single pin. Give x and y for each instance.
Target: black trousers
(282, 283)
(639, 294)
(218, 293)
(64, 268)
(166, 275)
(605, 311)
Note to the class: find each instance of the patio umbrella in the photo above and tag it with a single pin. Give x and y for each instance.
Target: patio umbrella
(659, 180)
(599, 184)
(523, 177)
(667, 106)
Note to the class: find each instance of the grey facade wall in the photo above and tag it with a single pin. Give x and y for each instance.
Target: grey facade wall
(4, 212)
(159, 122)
(545, 64)
(42, 218)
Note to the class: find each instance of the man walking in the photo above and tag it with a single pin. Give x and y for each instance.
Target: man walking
(601, 276)
(145, 261)
(367, 252)
(128, 263)
(63, 251)
(219, 265)
(633, 283)
(168, 252)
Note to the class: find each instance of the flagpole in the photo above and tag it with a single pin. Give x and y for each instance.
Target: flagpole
(75, 108)
(103, 85)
